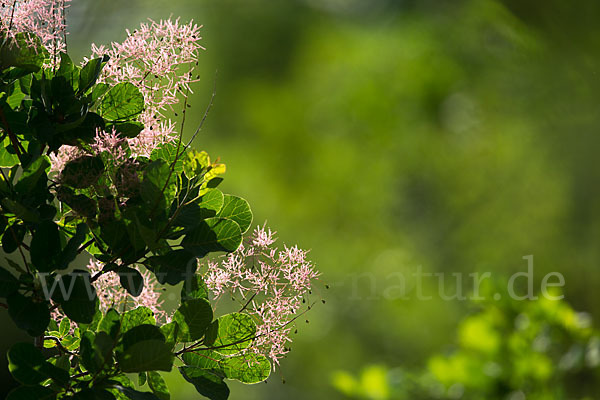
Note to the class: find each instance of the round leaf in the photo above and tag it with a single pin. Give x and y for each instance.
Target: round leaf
(238, 210)
(234, 333)
(122, 102)
(193, 317)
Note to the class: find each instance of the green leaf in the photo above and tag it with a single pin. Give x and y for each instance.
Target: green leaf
(24, 51)
(28, 366)
(158, 385)
(90, 73)
(195, 162)
(7, 159)
(82, 172)
(206, 383)
(158, 186)
(192, 215)
(170, 332)
(31, 392)
(122, 102)
(27, 214)
(194, 288)
(25, 362)
(211, 178)
(238, 210)
(71, 343)
(45, 246)
(213, 234)
(27, 314)
(16, 97)
(234, 333)
(80, 203)
(32, 174)
(248, 368)
(63, 362)
(96, 351)
(212, 202)
(67, 74)
(64, 327)
(193, 317)
(84, 130)
(205, 359)
(128, 129)
(110, 323)
(141, 333)
(99, 90)
(142, 378)
(147, 355)
(69, 253)
(131, 279)
(168, 152)
(8, 283)
(13, 237)
(92, 326)
(173, 267)
(139, 316)
(77, 296)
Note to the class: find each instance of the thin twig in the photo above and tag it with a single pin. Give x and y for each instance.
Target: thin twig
(58, 344)
(12, 14)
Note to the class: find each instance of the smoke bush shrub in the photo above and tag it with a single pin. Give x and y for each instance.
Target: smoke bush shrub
(91, 165)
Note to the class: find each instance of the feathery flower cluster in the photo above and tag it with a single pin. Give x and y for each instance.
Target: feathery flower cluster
(159, 59)
(44, 18)
(112, 295)
(270, 284)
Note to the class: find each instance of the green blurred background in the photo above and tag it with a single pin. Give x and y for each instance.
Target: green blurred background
(385, 135)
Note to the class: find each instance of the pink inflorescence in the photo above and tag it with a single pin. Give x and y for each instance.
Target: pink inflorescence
(159, 59)
(44, 18)
(269, 283)
(112, 295)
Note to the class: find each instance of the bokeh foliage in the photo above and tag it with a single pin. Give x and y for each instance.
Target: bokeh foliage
(509, 349)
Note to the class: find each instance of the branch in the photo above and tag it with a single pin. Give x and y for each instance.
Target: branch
(58, 344)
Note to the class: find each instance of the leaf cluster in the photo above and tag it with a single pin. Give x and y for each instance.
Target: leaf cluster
(162, 212)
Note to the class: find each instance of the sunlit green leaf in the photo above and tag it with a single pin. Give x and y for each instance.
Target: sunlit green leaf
(139, 316)
(158, 385)
(237, 209)
(122, 102)
(234, 333)
(90, 73)
(194, 288)
(193, 317)
(213, 234)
